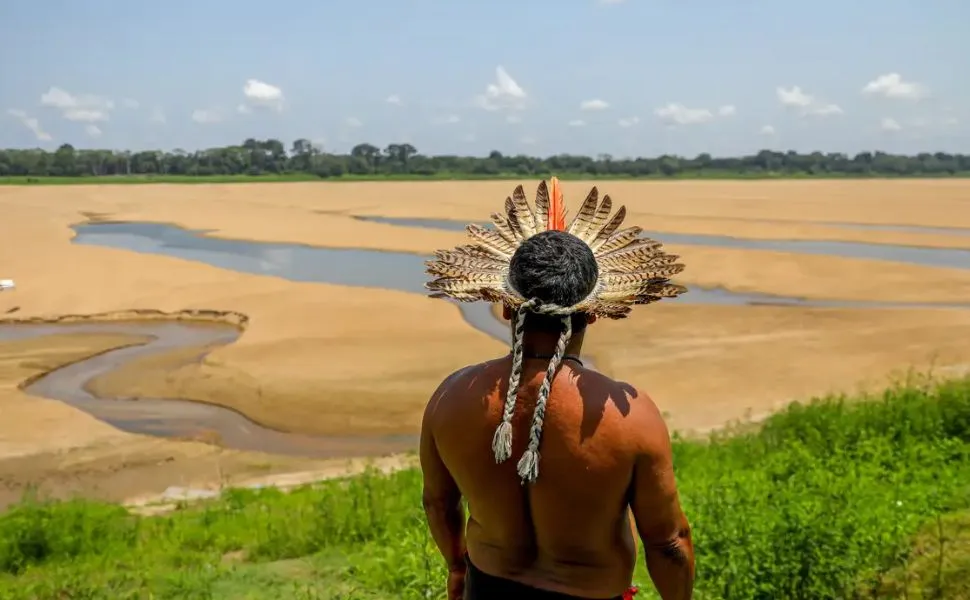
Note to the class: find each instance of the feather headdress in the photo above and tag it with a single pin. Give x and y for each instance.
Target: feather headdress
(632, 270)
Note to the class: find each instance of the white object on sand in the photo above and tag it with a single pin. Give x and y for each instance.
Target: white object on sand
(6, 284)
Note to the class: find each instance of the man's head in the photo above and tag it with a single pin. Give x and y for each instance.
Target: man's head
(558, 268)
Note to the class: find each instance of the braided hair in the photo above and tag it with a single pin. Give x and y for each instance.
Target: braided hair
(555, 270)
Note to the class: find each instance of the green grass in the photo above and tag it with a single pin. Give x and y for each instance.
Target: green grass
(289, 177)
(837, 498)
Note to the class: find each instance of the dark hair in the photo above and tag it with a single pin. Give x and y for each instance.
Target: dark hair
(558, 268)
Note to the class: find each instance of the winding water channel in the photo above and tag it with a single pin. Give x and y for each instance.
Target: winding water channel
(170, 417)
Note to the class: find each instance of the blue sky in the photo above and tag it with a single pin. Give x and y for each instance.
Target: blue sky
(625, 77)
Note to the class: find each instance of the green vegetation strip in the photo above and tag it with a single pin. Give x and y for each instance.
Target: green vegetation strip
(837, 498)
(269, 160)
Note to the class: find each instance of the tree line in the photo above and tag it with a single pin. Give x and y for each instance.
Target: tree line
(270, 157)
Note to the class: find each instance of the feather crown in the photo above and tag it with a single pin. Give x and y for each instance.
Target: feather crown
(632, 269)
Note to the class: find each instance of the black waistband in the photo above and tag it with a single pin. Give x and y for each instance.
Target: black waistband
(482, 586)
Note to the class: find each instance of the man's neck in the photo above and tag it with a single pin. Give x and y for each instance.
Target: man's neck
(542, 344)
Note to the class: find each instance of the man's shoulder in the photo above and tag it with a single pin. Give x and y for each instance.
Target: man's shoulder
(463, 374)
(453, 387)
(635, 402)
(466, 371)
(617, 388)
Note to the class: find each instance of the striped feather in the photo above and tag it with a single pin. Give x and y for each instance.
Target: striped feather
(485, 263)
(598, 220)
(542, 206)
(638, 249)
(523, 212)
(467, 285)
(491, 241)
(624, 240)
(504, 228)
(618, 280)
(624, 264)
(604, 234)
(584, 217)
(459, 269)
(490, 276)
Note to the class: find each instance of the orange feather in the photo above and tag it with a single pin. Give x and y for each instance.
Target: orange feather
(557, 208)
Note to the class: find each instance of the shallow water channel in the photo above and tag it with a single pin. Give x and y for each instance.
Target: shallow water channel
(958, 258)
(364, 268)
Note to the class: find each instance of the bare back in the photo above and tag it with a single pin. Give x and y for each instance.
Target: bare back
(570, 531)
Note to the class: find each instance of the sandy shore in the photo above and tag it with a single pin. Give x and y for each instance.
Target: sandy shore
(329, 359)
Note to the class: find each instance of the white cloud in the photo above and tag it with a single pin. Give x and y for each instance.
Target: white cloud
(353, 122)
(595, 104)
(767, 130)
(130, 103)
(504, 94)
(447, 120)
(577, 123)
(794, 97)
(628, 121)
(825, 110)
(86, 108)
(513, 119)
(85, 115)
(727, 110)
(92, 130)
(528, 140)
(678, 114)
(891, 85)
(260, 93)
(206, 116)
(393, 99)
(806, 104)
(470, 137)
(889, 124)
(30, 123)
(157, 116)
(243, 109)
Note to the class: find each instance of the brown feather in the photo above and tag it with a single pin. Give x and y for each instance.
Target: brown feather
(491, 241)
(542, 206)
(504, 229)
(486, 262)
(460, 297)
(470, 250)
(611, 310)
(467, 285)
(523, 212)
(626, 239)
(618, 240)
(516, 228)
(614, 280)
(622, 264)
(638, 249)
(466, 273)
(603, 235)
(584, 217)
(598, 220)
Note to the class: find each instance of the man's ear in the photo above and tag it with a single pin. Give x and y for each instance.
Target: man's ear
(506, 312)
(590, 319)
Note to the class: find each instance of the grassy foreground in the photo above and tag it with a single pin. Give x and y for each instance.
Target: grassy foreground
(833, 499)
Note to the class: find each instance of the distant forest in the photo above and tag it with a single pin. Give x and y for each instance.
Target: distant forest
(305, 160)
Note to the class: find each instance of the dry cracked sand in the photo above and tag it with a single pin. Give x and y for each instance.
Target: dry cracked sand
(328, 359)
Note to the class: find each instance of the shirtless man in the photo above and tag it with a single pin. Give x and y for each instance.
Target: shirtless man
(606, 451)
